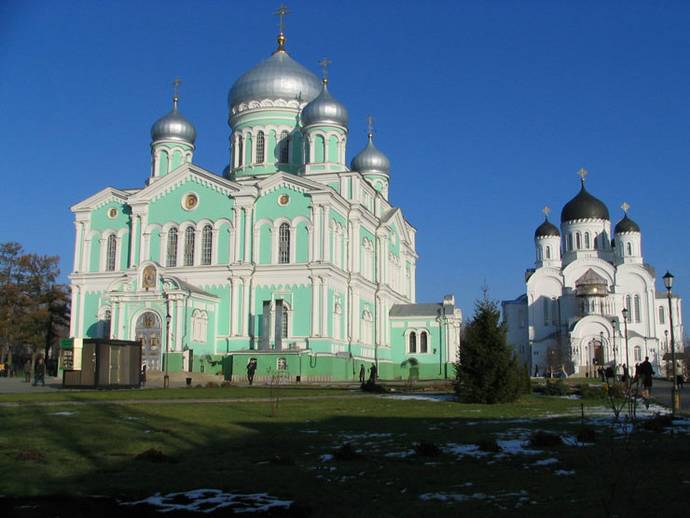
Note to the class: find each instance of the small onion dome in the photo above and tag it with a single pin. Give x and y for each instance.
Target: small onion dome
(547, 229)
(324, 110)
(278, 77)
(626, 225)
(584, 206)
(370, 159)
(173, 126)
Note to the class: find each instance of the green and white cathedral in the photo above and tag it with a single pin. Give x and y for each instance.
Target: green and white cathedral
(290, 256)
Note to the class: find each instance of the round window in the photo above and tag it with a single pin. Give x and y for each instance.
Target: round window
(283, 199)
(190, 201)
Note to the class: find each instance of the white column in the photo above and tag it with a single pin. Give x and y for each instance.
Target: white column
(245, 306)
(247, 235)
(78, 227)
(316, 235)
(179, 324)
(314, 306)
(234, 285)
(236, 234)
(326, 234)
(324, 307)
(73, 317)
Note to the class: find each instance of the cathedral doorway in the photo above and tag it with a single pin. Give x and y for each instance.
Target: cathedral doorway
(148, 331)
(597, 358)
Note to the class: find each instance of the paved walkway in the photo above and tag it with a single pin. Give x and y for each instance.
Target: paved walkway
(661, 391)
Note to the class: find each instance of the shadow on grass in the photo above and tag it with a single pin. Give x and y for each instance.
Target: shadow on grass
(241, 448)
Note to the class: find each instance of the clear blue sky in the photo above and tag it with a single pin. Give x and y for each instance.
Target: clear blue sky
(486, 109)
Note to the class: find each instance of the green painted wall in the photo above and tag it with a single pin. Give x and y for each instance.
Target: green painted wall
(212, 205)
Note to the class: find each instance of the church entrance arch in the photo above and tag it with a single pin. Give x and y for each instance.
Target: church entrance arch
(148, 331)
(596, 349)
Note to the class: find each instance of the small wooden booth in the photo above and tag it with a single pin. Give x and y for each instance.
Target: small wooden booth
(100, 363)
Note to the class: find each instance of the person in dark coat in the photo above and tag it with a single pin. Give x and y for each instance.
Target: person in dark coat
(40, 372)
(362, 373)
(626, 374)
(645, 373)
(251, 369)
(27, 371)
(142, 375)
(372, 374)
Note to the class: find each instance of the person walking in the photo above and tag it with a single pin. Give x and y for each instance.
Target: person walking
(27, 371)
(626, 374)
(40, 372)
(372, 374)
(251, 369)
(142, 375)
(362, 373)
(645, 372)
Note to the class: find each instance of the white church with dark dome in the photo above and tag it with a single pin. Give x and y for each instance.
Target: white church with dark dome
(587, 288)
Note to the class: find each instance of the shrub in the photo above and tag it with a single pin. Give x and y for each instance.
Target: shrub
(587, 391)
(489, 444)
(31, 455)
(542, 439)
(212, 384)
(556, 388)
(153, 455)
(346, 452)
(658, 423)
(586, 435)
(427, 449)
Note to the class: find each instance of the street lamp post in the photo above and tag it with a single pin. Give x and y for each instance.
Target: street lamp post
(666, 349)
(613, 344)
(627, 354)
(168, 318)
(675, 395)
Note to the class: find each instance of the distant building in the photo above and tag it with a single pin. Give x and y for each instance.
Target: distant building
(571, 315)
(290, 256)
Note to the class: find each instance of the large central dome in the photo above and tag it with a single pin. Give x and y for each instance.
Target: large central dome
(584, 206)
(278, 77)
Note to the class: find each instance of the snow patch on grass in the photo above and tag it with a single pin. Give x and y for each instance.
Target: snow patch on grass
(546, 462)
(564, 472)
(399, 454)
(65, 414)
(212, 500)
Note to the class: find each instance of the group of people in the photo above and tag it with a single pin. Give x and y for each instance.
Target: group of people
(373, 374)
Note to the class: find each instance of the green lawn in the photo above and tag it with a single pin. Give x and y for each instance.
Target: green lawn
(248, 446)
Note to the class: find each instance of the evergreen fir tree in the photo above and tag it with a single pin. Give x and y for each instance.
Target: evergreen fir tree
(487, 370)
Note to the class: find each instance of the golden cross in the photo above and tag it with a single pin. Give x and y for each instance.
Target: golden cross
(370, 124)
(546, 210)
(176, 87)
(281, 13)
(582, 173)
(324, 68)
(625, 207)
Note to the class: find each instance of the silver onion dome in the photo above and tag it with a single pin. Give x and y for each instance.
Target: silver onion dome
(173, 126)
(370, 159)
(278, 77)
(324, 109)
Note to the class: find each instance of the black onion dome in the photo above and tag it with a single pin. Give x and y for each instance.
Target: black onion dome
(584, 206)
(547, 229)
(626, 225)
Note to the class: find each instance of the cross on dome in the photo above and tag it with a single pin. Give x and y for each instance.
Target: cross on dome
(324, 68)
(582, 173)
(176, 91)
(546, 210)
(281, 13)
(370, 125)
(625, 207)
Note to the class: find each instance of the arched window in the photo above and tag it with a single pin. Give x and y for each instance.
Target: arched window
(662, 316)
(284, 323)
(629, 248)
(548, 252)
(587, 240)
(284, 148)
(111, 253)
(199, 325)
(596, 241)
(413, 342)
(189, 246)
(569, 242)
(206, 244)
(578, 241)
(284, 244)
(628, 306)
(638, 353)
(637, 308)
(538, 253)
(171, 259)
(423, 347)
(240, 151)
(107, 318)
(260, 147)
